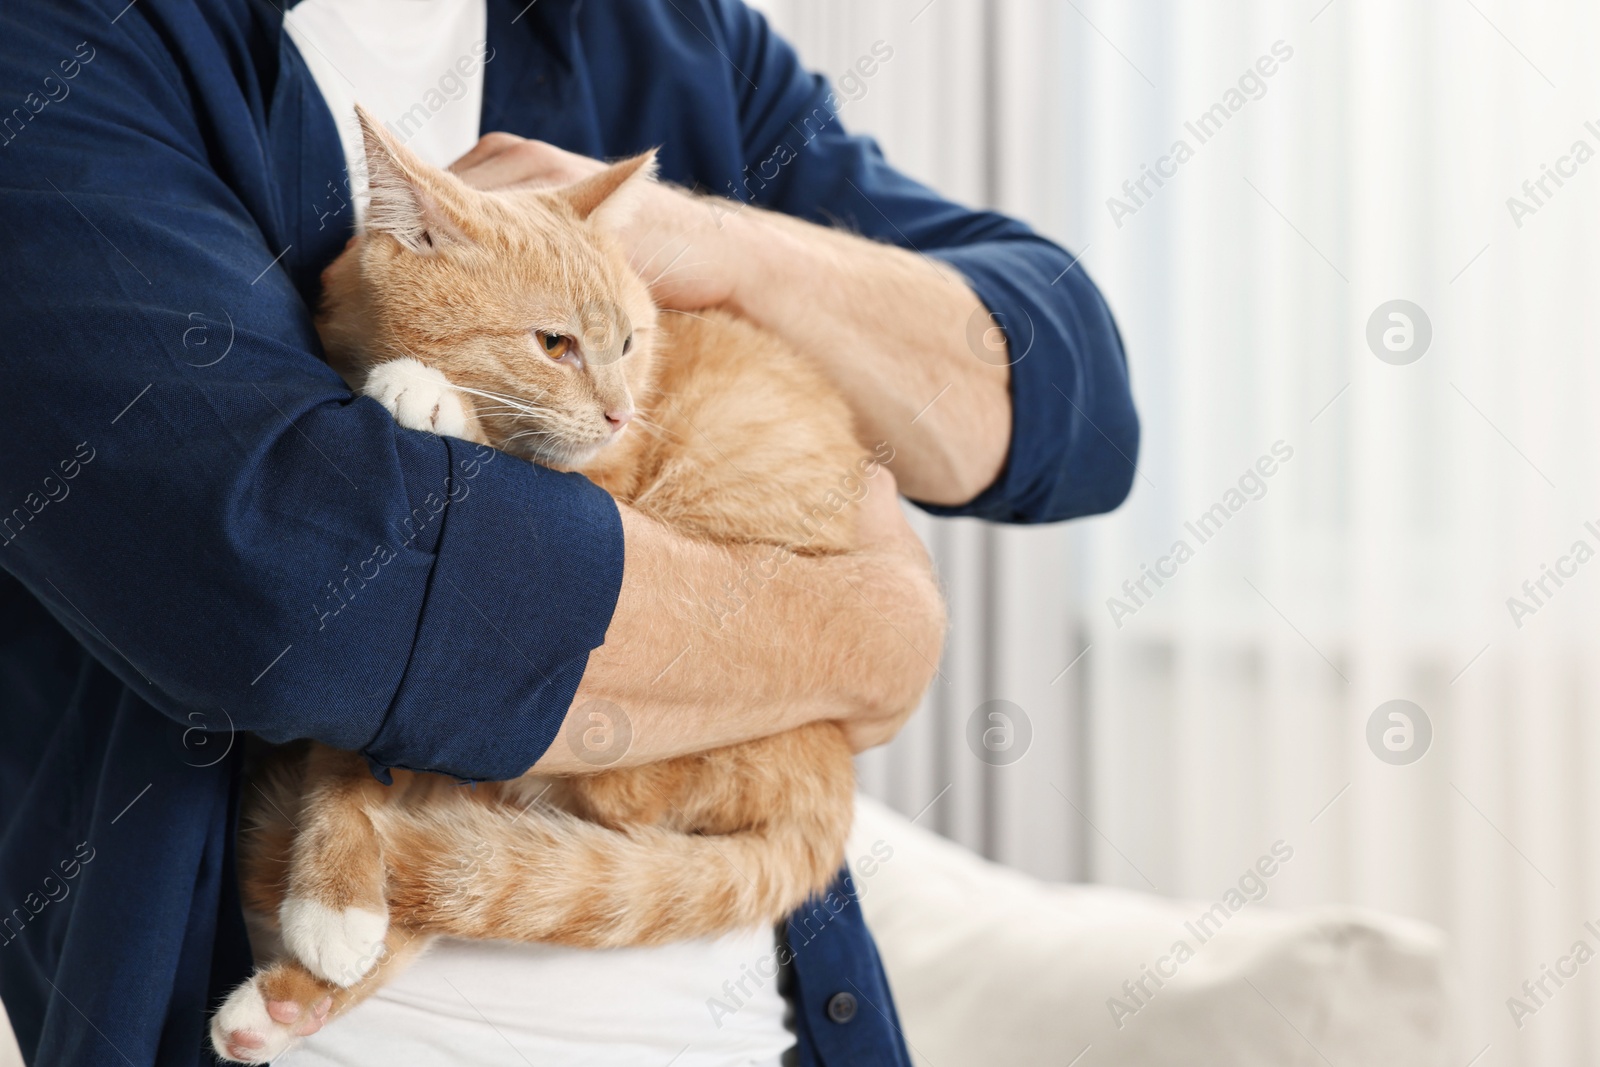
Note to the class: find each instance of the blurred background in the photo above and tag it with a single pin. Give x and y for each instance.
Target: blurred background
(1440, 455)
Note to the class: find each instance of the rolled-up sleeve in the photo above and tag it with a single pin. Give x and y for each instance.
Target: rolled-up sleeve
(195, 495)
(1075, 434)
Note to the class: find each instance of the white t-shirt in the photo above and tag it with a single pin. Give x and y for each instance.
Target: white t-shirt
(483, 1003)
(418, 66)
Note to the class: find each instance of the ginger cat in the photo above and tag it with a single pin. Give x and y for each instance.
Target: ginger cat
(513, 318)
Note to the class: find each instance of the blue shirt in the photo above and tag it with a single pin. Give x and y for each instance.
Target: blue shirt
(203, 534)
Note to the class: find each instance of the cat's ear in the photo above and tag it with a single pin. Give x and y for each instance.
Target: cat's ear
(611, 197)
(408, 200)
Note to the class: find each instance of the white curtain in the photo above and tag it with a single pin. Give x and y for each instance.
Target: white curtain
(1229, 708)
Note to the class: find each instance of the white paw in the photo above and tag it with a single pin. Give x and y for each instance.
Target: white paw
(248, 1030)
(340, 946)
(418, 396)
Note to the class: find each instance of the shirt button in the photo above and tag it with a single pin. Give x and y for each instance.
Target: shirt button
(841, 1007)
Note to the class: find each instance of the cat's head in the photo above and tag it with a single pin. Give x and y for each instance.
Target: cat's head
(522, 297)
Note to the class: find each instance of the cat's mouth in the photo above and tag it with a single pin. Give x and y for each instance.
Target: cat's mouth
(554, 452)
(523, 426)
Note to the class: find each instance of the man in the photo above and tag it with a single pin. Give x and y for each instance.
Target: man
(204, 535)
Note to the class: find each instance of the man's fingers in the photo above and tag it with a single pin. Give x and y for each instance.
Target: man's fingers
(862, 736)
(503, 159)
(882, 523)
(881, 517)
(488, 146)
(511, 165)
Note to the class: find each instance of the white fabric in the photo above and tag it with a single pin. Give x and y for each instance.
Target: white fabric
(10, 1054)
(418, 66)
(990, 966)
(471, 1003)
(415, 64)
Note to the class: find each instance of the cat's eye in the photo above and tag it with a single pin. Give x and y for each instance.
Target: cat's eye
(555, 345)
(627, 344)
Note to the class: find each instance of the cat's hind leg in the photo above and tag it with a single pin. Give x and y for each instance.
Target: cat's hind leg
(334, 915)
(284, 1002)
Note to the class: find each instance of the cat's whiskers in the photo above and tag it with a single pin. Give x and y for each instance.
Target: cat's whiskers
(508, 397)
(525, 419)
(677, 269)
(530, 433)
(515, 403)
(663, 246)
(676, 265)
(506, 410)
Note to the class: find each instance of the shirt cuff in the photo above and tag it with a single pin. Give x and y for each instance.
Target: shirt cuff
(1074, 431)
(527, 572)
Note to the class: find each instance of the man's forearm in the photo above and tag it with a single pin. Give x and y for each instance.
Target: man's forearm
(906, 340)
(684, 668)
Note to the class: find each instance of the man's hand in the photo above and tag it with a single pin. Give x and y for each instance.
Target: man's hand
(888, 542)
(853, 638)
(906, 340)
(676, 243)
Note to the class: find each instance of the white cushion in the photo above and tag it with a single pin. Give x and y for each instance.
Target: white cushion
(990, 966)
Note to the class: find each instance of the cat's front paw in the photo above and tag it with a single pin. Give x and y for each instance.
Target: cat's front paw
(418, 396)
(338, 944)
(258, 1022)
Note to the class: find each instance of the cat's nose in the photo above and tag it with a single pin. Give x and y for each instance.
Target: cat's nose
(618, 419)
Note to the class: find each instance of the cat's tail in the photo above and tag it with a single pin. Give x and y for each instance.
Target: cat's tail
(467, 869)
